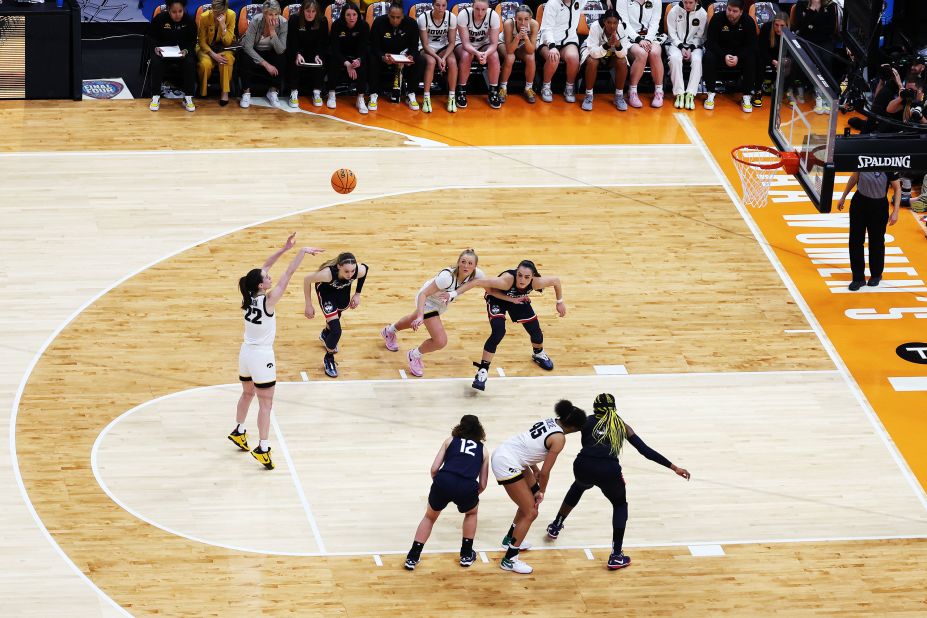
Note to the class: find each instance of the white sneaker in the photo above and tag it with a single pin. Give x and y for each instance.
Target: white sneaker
(819, 107)
(515, 565)
(331, 100)
(294, 98)
(155, 104)
(372, 106)
(188, 104)
(361, 106)
(246, 100)
(317, 99)
(413, 104)
(272, 98)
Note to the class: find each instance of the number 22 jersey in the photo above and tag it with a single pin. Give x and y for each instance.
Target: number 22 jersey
(260, 326)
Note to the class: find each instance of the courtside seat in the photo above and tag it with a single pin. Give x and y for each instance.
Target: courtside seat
(291, 9)
(418, 8)
(245, 15)
(375, 10)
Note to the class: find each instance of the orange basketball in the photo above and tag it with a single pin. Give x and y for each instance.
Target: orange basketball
(344, 180)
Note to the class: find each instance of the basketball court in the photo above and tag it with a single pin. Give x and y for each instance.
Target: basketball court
(724, 332)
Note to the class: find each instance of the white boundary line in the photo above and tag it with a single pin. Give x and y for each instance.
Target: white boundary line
(281, 443)
(348, 149)
(696, 138)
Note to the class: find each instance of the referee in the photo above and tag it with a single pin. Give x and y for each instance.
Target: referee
(868, 215)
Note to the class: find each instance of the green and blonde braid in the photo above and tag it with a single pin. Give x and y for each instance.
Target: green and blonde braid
(608, 424)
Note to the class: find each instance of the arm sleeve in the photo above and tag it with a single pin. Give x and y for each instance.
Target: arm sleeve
(653, 28)
(247, 41)
(360, 280)
(648, 452)
(280, 44)
(546, 33)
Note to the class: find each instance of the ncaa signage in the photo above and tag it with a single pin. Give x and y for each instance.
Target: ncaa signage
(914, 352)
(865, 161)
(102, 88)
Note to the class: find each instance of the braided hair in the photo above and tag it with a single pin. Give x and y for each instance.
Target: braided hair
(609, 425)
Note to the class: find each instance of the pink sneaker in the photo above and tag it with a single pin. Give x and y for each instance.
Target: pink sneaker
(634, 100)
(389, 337)
(415, 365)
(657, 99)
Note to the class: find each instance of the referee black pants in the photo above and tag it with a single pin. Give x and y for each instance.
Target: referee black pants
(868, 216)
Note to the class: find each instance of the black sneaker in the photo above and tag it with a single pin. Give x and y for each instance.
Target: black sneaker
(618, 561)
(874, 281)
(240, 439)
(855, 285)
(331, 367)
(263, 457)
(757, 100)
(542, 360)
(410, 563)
(394, 95)
(466, 561)
(553, 530)
(461, 98)
(495, 101)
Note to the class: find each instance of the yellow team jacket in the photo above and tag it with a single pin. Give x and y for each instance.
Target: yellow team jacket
(207, 31)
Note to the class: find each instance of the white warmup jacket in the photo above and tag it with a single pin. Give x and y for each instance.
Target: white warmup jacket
(559, 23)
(684, 29)
(597, 44)
(641, 17)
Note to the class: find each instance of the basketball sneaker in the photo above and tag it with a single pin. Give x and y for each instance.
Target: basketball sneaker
(546, 95)
(410, 564)
(709, 104)
(416, 366)
(468, 560)
(746, 105)
(587, 103)
(494, 101)
(543, 360)
(553, 530)
(263, 457)
(634, 99)
(322, 339)
(388, 334)
(245, 100)
(331, 102)
(188, 104)
(657, 100)
(316, 99)
(373, 105)
(272, 98)
(757, 99)
(393, 95)
(240, 439)
(680, 101)
(503, 92)
(452, 105)
(413, 104)
(515, 565)
(620, 104)
(529, 95)
(690, 101)
(569, 94)
(155, 104)
(507, 542)
(294, 98)
(361, 105)
(479, 381)
(331, 367)
(426, 105)
(618, 561)
(461, 99)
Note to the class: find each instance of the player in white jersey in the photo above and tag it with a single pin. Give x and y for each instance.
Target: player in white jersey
(256, 365)
(478, 31)
(514, 464)
(428, 309)
(519, 40)
(438, 31)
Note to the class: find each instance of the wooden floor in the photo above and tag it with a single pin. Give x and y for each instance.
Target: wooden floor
(726, 378)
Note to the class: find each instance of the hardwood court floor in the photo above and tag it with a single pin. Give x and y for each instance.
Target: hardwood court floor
(171, 327)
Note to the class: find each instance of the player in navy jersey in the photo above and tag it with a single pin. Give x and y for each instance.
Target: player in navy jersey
(256, 364)
(514, 464)
(597, 465)
(333, 287)
(509, 293)
(459, 474)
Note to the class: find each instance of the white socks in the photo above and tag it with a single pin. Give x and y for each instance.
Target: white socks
(240, 428)
(265, 444)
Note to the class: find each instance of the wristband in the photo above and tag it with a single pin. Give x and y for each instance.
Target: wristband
(559, 300)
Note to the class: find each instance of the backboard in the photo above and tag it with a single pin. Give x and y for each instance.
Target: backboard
(803, 118)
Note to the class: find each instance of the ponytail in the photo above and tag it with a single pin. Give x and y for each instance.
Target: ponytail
(248, 286)
(530, 265)
(609, 425)
(342, 258)
(569, 415)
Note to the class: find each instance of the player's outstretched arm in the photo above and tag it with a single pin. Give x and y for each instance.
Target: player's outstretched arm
(289, 244)
(277, 292)
(654, 456)
(539, 283)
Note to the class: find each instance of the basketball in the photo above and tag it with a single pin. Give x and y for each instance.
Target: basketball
(344, 181)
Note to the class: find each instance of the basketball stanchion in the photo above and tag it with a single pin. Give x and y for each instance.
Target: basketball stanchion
(757, 166)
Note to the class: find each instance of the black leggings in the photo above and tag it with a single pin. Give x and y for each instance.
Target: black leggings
(606, 475)
(250, 69)
(187, 68)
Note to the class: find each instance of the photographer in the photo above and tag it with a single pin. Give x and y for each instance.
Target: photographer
(896, 99)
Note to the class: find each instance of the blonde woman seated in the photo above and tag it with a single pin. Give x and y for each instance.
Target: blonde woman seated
(608, 44)
(216, 32)
(264, 45)
(519, 38)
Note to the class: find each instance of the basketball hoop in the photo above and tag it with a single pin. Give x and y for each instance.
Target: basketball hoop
(756, 166)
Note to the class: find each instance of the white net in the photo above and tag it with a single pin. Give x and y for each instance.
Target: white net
(754, 166)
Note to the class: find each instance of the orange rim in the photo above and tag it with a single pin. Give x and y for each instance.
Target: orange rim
(736, 154)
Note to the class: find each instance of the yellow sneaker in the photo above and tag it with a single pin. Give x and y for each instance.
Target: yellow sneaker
(240, 439)
(263, 457)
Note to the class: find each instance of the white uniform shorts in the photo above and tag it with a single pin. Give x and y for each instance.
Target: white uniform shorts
(505, 466)
(256, 364)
